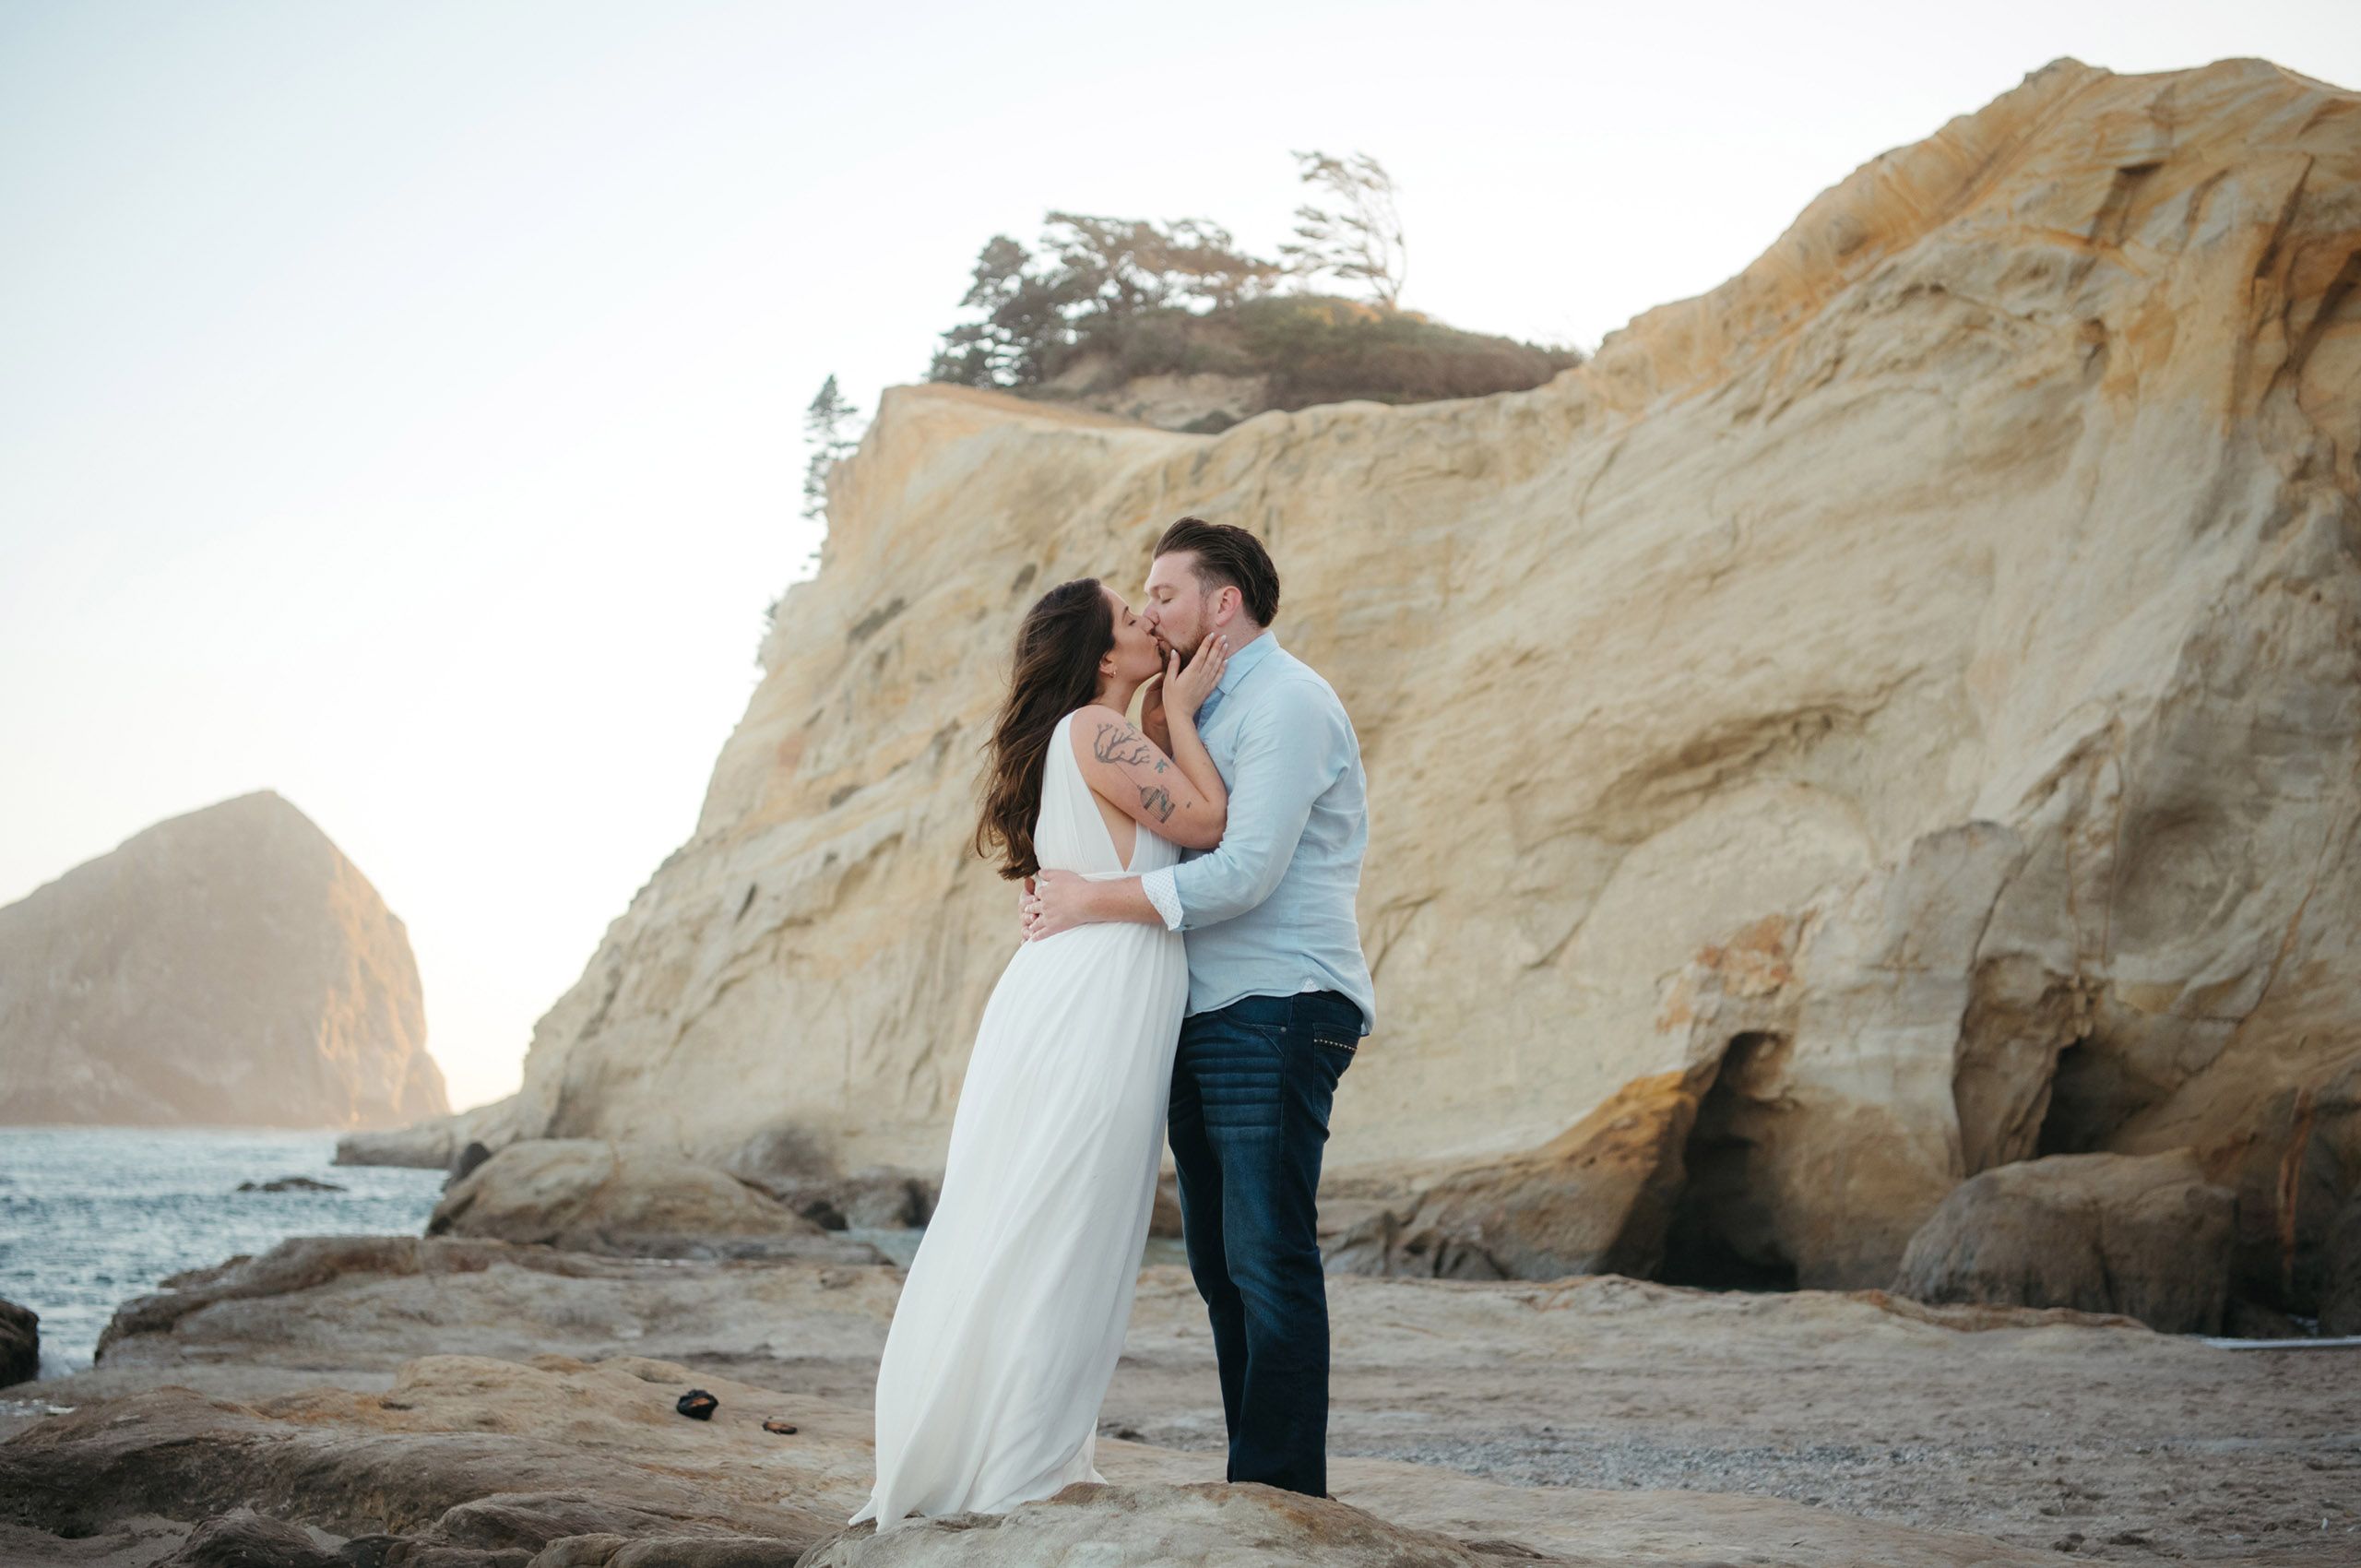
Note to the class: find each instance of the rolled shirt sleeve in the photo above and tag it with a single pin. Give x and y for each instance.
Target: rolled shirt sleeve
(1295, 745)
(1158, 886)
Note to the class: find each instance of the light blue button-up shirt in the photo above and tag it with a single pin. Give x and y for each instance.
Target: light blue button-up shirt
(1269, 910)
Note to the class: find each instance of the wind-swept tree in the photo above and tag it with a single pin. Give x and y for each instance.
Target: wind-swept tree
(824, 428)
(1357, 234)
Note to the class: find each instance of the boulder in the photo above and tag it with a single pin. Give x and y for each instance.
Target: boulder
(433, 1144)
(2148, 1236)
(594, 1194)
(1597, 1199)
(19, 1344)
(875, 1199)
(242, 1537)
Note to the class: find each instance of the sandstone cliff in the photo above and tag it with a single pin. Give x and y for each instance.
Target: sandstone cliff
(1931, 660)
(228, 966)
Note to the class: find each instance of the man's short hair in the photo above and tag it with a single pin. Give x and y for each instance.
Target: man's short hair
(1228, 554)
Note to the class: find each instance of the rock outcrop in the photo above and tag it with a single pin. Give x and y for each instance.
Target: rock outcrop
(433, 1144)
(244, 1539)
(227, 966)
(1599, 1199)
(460, 1452)
(2146, 1237)
(365, 1304)
(480, 1395)
(19, 1344)
(865, 1200)
(598, 1196)
(1934, 654)
(472, 1461)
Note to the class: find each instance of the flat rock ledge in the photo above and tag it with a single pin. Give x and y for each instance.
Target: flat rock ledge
(445, 1402)
(476, 1462)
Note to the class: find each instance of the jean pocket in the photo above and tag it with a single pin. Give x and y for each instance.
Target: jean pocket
(1331, 1039)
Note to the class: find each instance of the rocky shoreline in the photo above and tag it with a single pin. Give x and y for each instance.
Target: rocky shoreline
(451, 1401)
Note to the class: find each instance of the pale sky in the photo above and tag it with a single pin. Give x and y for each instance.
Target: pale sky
(401, 403)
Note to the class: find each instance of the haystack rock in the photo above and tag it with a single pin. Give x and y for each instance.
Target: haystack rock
(230, 967)
(1931, 660)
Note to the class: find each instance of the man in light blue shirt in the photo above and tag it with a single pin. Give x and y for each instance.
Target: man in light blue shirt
(1279, 993)
(1270, 911)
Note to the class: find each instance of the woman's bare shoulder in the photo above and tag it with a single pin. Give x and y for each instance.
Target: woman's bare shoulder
(1102, 734)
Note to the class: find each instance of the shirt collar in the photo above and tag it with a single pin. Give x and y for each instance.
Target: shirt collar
(1243, 662)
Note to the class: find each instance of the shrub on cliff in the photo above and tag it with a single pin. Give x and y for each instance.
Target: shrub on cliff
(1318, 348)
(1109, 300)
(1050, 324)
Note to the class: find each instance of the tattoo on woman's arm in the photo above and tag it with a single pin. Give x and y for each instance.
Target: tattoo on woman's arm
(1157, 801)
(1121, 743)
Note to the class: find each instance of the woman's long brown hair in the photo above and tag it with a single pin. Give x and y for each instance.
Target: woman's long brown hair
(1064, 636)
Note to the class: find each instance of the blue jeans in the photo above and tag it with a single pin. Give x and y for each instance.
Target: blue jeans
(1251, 1083)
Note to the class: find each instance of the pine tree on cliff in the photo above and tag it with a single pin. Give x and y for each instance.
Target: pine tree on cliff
(823, 424)
(1092, 280)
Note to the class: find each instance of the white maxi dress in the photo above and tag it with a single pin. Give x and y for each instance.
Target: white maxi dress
(1012, 1316)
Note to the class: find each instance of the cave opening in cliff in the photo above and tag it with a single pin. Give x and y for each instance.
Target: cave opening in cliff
(2089, 1098)
(1722, 1235)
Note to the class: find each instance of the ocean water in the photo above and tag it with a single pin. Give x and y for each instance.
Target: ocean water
(90, 1217)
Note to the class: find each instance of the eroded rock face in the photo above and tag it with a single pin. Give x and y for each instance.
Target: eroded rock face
(1937, 650)
(597, 1195)
(2147, 1237)
(2341, 1300)
(1596, 1200)
(2300, 1168)
(227, 966)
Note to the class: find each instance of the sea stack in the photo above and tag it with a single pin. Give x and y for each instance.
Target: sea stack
(228, 966)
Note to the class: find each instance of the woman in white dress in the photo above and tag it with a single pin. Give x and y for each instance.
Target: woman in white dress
(1012, 1316)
